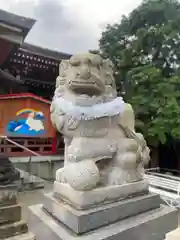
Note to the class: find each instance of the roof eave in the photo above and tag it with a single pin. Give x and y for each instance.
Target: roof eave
(44, 52)
(17, 21)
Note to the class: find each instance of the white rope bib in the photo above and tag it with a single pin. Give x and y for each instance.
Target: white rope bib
(108, 109)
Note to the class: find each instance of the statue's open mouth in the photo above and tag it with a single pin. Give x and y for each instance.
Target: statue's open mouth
(86, 87)
(85, 82)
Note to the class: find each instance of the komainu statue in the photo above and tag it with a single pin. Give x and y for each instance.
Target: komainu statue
(101, 145)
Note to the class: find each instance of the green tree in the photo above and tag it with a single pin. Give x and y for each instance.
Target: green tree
(145, 50)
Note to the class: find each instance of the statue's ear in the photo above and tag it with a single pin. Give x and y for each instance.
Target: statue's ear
(58, 81)
(63, 66)
(108, 65)
(127, 118)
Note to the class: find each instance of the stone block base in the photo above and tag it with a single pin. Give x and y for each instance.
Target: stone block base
(27, 236)
(10, 213)
(81, 221)
(174, 235)
(11, 225)
(11, 229)
(150, 225)
(100, 195)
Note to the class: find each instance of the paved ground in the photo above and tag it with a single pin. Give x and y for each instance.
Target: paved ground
(32, 197)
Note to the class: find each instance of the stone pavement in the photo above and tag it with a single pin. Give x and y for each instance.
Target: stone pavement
(29, 198)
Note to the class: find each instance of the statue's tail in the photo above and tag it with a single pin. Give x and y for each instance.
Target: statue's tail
(143, 148)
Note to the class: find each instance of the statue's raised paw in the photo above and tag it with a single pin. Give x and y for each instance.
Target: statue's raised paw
(82, 175)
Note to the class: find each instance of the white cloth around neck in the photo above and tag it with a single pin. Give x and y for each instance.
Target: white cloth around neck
(107, 109)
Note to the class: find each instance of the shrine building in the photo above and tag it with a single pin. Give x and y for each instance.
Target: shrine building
(27, 74)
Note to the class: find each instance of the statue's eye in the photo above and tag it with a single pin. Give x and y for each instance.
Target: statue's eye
(77, 74)
(87, 61)
(74, 62)
(96, 65)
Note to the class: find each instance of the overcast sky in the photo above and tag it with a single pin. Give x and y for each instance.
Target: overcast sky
(69, 25)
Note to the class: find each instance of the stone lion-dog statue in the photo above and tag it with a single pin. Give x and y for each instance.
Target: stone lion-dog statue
(101, 145)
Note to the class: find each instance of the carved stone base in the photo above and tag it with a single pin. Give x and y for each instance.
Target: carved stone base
(93, 198)
(10, 213)
(137, 217)
(11, 225)
(81, 221)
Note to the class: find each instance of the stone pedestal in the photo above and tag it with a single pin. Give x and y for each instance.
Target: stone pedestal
(130, 212)
(174, 235)
(12, 227)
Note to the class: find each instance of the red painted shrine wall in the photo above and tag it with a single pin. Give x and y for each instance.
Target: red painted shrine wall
(15, 110)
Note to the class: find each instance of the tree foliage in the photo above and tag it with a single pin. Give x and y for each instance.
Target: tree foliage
(145, 50)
